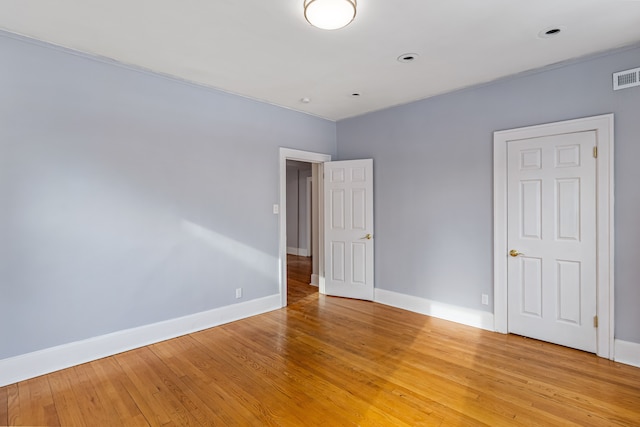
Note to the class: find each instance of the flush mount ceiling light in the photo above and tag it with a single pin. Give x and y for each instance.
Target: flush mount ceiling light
(329, 14)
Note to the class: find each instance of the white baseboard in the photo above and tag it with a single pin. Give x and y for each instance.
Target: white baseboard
(466, 316)
(297, 251)
(315, 280)
(627, 352)
(53, 359)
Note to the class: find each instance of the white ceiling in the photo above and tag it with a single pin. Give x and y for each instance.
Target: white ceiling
(264, 49)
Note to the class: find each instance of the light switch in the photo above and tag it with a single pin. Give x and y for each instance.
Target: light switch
(276, 209)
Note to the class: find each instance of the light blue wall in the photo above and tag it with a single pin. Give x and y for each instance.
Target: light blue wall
(433, 178)
(129, 198)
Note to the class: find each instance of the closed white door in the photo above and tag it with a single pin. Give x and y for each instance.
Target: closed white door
(348, 222)
(551, 233)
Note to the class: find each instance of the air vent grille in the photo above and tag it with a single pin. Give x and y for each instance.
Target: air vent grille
(626, 79)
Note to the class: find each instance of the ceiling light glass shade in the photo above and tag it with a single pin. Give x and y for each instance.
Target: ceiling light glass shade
(329, 14)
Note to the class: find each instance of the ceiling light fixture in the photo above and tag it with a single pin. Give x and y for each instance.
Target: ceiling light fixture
(329, 14)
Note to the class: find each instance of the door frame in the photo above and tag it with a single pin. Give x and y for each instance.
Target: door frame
(603, 126)
(309, 157)
(307, 219)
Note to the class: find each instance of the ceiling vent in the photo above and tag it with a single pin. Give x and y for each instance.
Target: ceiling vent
(626, 79)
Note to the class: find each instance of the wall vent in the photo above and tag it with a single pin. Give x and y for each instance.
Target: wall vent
(626, 79)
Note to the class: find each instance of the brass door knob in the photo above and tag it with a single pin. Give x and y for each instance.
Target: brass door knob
(514, 252)
(368, 236)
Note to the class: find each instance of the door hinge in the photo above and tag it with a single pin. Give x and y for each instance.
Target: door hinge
(595, 321)
(595, 152)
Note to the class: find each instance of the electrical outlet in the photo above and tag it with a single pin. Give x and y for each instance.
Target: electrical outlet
(276, 209)
(485, 299)
(239, 293)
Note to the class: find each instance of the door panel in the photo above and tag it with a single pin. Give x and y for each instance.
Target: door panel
(569, 291)
(349, 228)
(337, 261)
(359, 211)
(337, 209)
(568, 209)
(531, 222)
(531, 284)
(552, 225)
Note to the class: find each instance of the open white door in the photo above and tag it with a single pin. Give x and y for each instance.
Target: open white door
(348, 227)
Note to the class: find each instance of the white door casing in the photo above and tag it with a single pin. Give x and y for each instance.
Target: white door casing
(348, 200)
(556, 212)
(309, 217)
(551, 221)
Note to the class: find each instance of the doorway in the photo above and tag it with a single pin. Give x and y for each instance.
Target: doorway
(299, 215)
(344, 212)
(553, 188)
(316, 161)
(299, 209)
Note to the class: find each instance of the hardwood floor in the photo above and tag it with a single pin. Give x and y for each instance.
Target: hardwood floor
(298, 279)
(334, 362)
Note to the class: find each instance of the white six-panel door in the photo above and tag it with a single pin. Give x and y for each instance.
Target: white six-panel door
(551, 215)
(348, 219)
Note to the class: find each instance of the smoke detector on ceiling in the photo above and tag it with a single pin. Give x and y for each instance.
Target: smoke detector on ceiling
(551, 32)
(408, 57)
(626, 79)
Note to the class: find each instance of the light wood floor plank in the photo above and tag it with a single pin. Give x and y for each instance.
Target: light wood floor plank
(62, 385)
(143, 397)
(326, 361)
(37, 407)
(91, 399)
(280, 401)
(4, 406)
(453, 369)
(307, 370)
(242, 391)
(163, 389)
(13, 404)
(107, 380)
(301, 381)
(207, 378)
